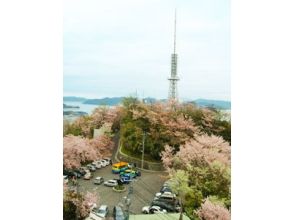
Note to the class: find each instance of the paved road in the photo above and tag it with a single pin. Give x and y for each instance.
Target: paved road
(144, 189)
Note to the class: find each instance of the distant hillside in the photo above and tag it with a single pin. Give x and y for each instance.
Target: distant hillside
(213, 103)
(73, 99)
(118, 100)
(104, 101)
(70, 106)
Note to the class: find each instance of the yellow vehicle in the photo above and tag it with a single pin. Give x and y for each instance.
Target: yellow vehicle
(119, 167)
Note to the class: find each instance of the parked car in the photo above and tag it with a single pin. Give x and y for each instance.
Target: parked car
(125, 179)
(81, 172)
(164, 205)
(110, 183)
(98, 180)
(87, 176)
(97, 166)
(108, 161)
(102, 211)
(166, 201)
(132, 173)
(76, 174)
(153, 210)
(118, 213)
(165, 189)
(167, 195)
(70, 173)
(91, 167)
(104, 163)
(85, 169)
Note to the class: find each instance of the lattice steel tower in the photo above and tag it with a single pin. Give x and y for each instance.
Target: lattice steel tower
(173, 90)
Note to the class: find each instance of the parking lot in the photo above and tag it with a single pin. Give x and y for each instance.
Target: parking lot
(144, 189)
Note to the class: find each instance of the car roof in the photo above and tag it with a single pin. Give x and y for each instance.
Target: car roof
(103, 207)
(155, 206)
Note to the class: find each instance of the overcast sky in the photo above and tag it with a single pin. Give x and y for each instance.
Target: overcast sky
(115, 48)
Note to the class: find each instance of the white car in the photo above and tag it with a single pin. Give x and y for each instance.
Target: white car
(97, 164)
(153, 210)
(87, 176)
(104, 163)
(107, 160)
(98, 180)
(101, 212)
(85, 169)
(91, 167)
(167, 195)
(110, 183)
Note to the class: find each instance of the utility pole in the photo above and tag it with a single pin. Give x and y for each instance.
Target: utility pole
(144, 134)
(128, 201)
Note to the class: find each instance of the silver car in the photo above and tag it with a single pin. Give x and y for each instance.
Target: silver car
(102, 211)
(110, 183)
(98, 180)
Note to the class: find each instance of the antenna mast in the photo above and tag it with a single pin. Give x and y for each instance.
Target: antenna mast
(173, 93)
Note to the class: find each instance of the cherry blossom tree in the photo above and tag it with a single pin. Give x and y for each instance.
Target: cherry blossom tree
(102, 144)
(76, 150)
(78, 204)
(211, 211)
(206, 160)
(167, 156)
(85, 125)
(202, 148)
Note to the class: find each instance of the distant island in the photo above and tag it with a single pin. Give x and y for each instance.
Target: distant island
(73, 99)
(213, 103)
(219, 104)
(104, 101)
(70, 106)
(73, 113)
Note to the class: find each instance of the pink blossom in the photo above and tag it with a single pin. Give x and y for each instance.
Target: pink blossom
(210, 211)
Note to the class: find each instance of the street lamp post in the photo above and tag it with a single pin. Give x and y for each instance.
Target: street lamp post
(144, 134)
